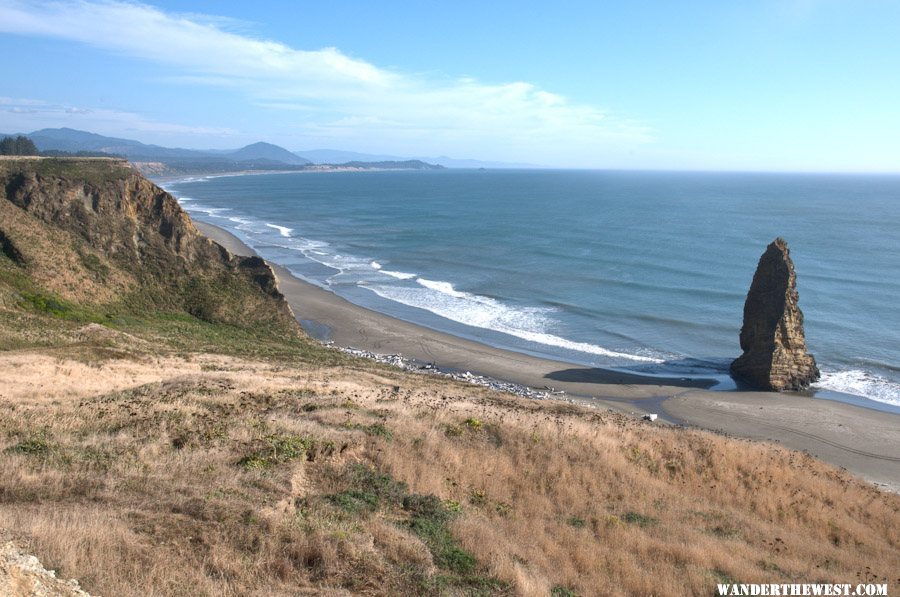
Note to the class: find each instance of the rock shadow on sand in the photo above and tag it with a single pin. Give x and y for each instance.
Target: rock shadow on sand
(597, 375)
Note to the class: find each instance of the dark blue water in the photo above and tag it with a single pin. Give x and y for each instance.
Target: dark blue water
(641, 270)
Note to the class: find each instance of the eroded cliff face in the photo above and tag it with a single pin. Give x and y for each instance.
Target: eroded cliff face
(126, 215)
(772, 337)
(125, 223)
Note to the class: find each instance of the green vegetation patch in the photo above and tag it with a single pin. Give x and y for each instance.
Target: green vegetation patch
(374, 429)
(430, 521)
(41, 317)
(368, 491)
(101, 459)
(93, 171)
(427, 516)
(181, 331)
(576, 522)
(378, 430)
(274, 449)
(355, 500)
(32, 299)
(32, 446)
(41, 448)
(46, 304)
(640, 520)
(474, 424)
(384, 486)
(93, 264)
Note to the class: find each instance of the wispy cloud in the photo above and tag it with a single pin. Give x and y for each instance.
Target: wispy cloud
(25, 114)
(338, 93)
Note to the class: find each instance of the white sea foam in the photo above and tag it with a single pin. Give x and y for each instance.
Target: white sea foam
(349, 267)
(189, 179)
(241, 221)
(298, 243)
(552, 340)
(527, 323)
(283, 230)
(861, 383)
(447, 288)
(439, 297)
(210, 211)
(317, 251)
(398, 275)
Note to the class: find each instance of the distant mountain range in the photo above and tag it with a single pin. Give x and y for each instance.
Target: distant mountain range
(267, 151)
(336, 156)
(158, 160)
(66, 139)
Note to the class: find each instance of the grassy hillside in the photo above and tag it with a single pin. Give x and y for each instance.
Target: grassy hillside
(153, 446)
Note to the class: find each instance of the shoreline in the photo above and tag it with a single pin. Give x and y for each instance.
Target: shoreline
(162, 179)
(864, 441)
(685, 342)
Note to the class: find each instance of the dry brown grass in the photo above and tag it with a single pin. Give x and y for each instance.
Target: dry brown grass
(219, 476)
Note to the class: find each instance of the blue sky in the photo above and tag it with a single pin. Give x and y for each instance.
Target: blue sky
(749, 85)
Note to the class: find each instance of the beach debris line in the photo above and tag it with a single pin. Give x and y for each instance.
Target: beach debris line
(772, 337)
(398, 360)
(414, 366)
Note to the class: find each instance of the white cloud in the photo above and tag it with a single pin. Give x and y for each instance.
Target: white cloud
(28, 114)
(334, 93)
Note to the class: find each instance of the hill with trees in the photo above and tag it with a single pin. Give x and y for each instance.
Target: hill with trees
(20, 145)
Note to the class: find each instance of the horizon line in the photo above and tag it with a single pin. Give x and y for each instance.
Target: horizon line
(689, 170)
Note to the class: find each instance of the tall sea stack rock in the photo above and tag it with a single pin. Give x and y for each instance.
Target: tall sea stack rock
(772, 338)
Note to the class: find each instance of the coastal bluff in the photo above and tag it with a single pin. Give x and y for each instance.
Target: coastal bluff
(97, 231)
(772, 338)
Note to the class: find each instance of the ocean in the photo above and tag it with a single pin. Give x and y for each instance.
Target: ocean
(643, 271)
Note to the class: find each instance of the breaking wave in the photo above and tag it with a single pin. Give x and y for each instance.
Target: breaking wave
(527, 323)
(282, 230)
(861, 383)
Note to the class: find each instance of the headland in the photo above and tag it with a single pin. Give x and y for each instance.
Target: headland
(167, 428)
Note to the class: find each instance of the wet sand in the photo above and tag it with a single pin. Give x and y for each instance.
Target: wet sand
(864, 441)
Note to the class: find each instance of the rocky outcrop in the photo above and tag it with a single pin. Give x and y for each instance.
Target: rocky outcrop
(123, 214)
(772, 337)
(22, 575)
(120, 222)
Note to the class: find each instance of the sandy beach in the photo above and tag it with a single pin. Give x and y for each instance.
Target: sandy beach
(864, 441)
